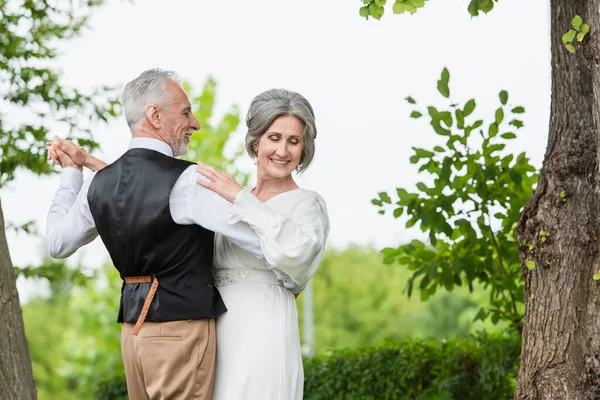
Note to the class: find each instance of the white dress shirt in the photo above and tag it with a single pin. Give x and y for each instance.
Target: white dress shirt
(70, 224)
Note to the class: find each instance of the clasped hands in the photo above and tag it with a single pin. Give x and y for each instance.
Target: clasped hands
(65, 153)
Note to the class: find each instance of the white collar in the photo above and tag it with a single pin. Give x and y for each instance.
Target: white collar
(152, 144)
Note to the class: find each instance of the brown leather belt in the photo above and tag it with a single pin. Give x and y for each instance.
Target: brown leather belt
(149, 297)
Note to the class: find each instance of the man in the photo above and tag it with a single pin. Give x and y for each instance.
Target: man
(158, 226)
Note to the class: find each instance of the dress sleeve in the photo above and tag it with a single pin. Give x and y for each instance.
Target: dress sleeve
(292, 244)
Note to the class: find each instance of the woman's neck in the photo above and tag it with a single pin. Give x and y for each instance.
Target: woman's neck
(267, 188)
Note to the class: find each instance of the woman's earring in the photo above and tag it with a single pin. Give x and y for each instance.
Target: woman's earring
(255, 157)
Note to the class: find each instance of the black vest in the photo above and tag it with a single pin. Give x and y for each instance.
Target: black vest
(129, 201)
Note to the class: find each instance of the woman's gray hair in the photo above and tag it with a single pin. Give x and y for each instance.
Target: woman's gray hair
(272, 104)
(148, 88)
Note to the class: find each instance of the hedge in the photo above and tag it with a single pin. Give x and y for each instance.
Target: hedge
(482, 367)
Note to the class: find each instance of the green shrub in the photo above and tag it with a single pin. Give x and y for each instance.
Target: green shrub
(483, 367)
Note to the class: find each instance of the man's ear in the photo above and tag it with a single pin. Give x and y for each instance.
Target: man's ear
(154, 115)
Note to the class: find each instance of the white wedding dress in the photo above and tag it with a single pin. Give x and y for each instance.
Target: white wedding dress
(258, 342)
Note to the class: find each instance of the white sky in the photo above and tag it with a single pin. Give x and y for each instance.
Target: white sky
(356, 74)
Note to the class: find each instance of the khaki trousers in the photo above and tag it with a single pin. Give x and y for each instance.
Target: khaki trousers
(170, 360)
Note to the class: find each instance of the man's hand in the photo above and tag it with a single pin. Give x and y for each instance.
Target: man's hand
(60, 157)
(77, 154)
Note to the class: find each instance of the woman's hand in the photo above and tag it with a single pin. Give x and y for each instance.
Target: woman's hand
(59, 157)
(76, 153)
(219, 182)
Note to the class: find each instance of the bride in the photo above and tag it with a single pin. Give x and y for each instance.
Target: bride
(258, 350)
(258, 342)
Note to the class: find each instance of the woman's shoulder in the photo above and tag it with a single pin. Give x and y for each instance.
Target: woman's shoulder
(307, 194)
(306, 198)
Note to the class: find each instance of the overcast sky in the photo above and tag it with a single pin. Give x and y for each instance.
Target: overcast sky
(356, 74)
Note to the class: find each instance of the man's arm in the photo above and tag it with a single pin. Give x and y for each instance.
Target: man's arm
(70, 224)
(193, 204)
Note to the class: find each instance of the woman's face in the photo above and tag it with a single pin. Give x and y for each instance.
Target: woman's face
(280, 147)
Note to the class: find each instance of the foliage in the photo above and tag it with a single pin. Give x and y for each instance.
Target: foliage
(60, 277)
(483, 367)
(210, 143)
(29, 33)
(470, 211)
(80, 340)
(578, 32)
(358, 301)
(478, 368)
(376, 8)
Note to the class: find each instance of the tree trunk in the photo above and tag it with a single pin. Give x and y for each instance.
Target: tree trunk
(560, 355)
(16, 376)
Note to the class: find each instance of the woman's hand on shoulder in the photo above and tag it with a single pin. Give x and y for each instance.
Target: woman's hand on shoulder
(218, 181)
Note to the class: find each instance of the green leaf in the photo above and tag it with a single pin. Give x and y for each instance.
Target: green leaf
(446, 117)
(569, 36)
(443, 89)
(364, 12)
(439, 149)
(389, 252)
(377, 202)
(473, 9)
(580, 36)
(422, 187)
(516, 123)
(596, 276)
(499, 116)
(382, 212)
(503, 97)
(585, 28)
(416, 114)
(485, 5)
(376, 11)
(493, 130)
(442, 84)
(445, 77)
(380, 3)
(460, 119)
(508, 135)
(530, 264)
(570, 48)
(518, 110)
(385, 198)
(495, 318)
(417, 3)
(481, 315)
(440, 130)
(400, 8)
(411, 100)
(576, 22)
(469, 108)
(422, 153)
(398, 212)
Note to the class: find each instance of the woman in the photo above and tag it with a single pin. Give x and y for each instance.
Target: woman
(258, 351)
(258, 343)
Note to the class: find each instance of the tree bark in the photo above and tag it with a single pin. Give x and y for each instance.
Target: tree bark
(16, 375)
(560, 354)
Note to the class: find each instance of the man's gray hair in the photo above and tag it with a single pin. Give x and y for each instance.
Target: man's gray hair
(148, 88)
(272, 104)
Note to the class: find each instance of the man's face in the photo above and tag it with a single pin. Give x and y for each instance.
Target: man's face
(179, 121)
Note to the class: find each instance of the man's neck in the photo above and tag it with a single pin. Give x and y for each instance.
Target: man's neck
(144, 132)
